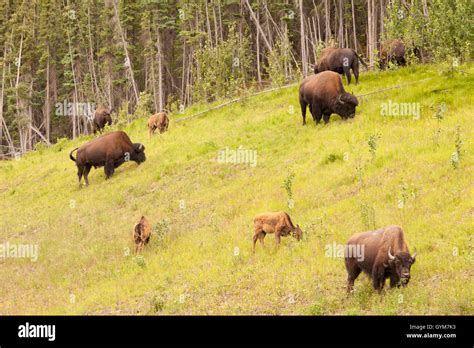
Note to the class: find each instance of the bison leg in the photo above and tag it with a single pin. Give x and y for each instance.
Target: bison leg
(255, 237)
(109, 168)
(260, 235)
(347, 72)
(86, 171)
(303, 110)
(378, 278)
(80, 170)
(326, 117)
(316, 113)
(394, 281)
(353, 271)
(355, 70)
(277, 237)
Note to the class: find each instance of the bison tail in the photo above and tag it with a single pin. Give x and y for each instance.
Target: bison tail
(70, 155)
(360, 59)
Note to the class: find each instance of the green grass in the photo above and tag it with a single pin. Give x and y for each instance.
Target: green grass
(338, 189)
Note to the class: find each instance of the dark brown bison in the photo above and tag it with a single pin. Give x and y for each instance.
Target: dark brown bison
(158, 121)
(101, 118)
(141, 234)
(278, 223)
(325, 94)
(340, 60)
(381, 254)
(109, 151)
(392, 51)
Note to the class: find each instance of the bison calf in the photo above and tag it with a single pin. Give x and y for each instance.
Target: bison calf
(384, 255)
(158, 121)
(141, 234)
(109, 151)
(325, 94)
(278, 223)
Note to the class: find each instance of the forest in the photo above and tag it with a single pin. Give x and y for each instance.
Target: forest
(148, 147)
(60, 59)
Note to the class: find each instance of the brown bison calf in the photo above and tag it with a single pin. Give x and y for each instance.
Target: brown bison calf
(141, 234)
(384, 255)
(278, 223)
(158, 121)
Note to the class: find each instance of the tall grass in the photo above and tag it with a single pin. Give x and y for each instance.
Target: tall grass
(199, 260)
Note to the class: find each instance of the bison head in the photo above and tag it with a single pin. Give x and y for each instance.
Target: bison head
(345, 105)
(139, 153)
(297, 233)
(401, 264)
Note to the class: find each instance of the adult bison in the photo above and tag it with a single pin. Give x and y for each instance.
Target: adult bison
(101, 118)
(392, 51)
(278, 223)
(325, 94)
(109, 151)
(158, 121)
(384, 255)
(340, 60)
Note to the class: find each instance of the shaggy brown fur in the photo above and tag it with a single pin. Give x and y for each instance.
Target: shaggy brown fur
(101, 118)
(325, 94)
(392, 51)
(141, 234)
(158, 121)
(385, 255)
(109, 151)
(278, 223)
(341, 61)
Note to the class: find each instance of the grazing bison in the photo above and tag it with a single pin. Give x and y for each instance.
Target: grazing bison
(392, 51)
(110, 151)
(158, 121)
(101, 118)
(278, 223)
(340, 60)
(384, 255)
(141, 234)
(325, 94)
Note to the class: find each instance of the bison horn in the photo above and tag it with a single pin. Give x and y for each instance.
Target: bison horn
(339, 99)
(390, 256)
(140, 146)
(414, 255)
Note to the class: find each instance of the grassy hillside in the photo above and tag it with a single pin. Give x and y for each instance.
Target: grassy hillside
(199, 260)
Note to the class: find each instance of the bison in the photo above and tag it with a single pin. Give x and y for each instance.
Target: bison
(384, 255)
(158, 121)
(141, 234)
(109, 151)
(325, 94)
(340, 60)
(101, 118)
(278, 223)
(392, 51)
